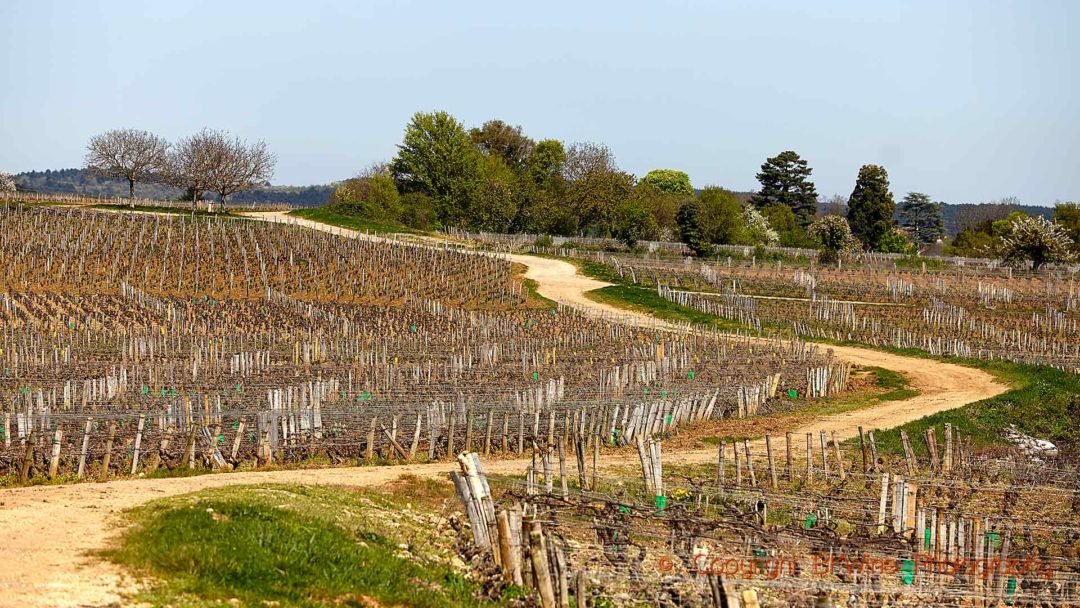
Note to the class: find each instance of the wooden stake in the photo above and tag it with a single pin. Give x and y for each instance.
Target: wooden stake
(772, 467)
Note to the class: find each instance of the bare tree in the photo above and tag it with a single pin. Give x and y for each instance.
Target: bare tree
(130, 154)
(237, 166)
(191, 162)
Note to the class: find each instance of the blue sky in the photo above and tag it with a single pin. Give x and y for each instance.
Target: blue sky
(967, 101)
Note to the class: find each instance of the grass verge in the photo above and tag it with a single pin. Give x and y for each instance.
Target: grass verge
(325, 215)
(643, 299)
(294, 546)
(1043, 402)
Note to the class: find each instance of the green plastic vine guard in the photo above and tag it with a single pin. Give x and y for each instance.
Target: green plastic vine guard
(145, 390)
(690, 375)
(668, 421)
(535, 376)
(624, 509)
(794, 394)
(907, 571)
(811, 520)
(238, 387)
(661, 502)
(926, 538)
(236, 425)
(412, 328)
(220, 439)
(994, 536)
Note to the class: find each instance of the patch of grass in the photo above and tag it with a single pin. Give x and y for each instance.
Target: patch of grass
(643, 299)
(325, 215)
(1043, 402)
(287, 546)
(167, 210)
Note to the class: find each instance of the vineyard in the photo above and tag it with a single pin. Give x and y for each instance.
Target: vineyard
(984, 313)
(785, 522)
(136, 342)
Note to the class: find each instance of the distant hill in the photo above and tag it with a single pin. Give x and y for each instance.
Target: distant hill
(78, 181)
(957, 217)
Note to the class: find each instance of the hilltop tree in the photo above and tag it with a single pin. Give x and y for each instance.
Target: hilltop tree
(190, 161)
(1036, 240)
(871, 206)
(922, 218)
(834, 237)
(437, 157)
(497, 138)
(130, 154)
(785, 180)
(236, 166)
(7, 182)
(669, 181)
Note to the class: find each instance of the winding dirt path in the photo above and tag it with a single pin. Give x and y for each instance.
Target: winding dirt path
(48, 534)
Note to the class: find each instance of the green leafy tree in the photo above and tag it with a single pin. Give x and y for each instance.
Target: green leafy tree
(782, 219)
(1036, 240)
(437, 157)
(690, 229)
(834, 237)
(492, 206)
(785, 180)
(669, 181)
(372, 196)
(633, 222)
(722, 218)
(871, 206)
(922, 218)
(418, 211)
(541, 204)
(1067, 215)
(497, 138)
(594, 187)
(895, 241)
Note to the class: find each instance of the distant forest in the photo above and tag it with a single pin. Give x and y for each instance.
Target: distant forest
(78, 181)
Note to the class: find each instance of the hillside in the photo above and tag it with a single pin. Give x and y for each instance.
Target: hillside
(78, 181)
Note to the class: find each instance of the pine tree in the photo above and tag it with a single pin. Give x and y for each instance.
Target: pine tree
(871, 206)
(922, 218)
(784, 180)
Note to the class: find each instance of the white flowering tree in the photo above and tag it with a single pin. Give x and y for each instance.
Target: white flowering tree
(833, 235)
(1036, 240)
(759, 228)
(7, 182)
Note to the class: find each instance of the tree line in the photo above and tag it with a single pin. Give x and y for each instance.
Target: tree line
(208, 161)
(496, 178)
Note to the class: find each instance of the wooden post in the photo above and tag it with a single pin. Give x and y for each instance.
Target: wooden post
(772, 466)
(946, 465)
(450, 434)
(54, 460)
(790, 469)
(738, 464)
(487, 433)
(824, 455)
(931, 444)
(749, 463)
(240, 428)
(882, 502)
(909, 454)
(580, 589)
(839, 457)
(108, 450)
(541, 571)
(416, 435)
(862, 448)
(809, 458)
(562, 468)
(138, 444)
(85, 448)
(720, 468)
(873, 452)
(28, 457)
(468, 429)
(511, 560)
(369, 449)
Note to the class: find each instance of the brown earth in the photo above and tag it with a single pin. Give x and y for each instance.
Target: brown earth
(49, 534)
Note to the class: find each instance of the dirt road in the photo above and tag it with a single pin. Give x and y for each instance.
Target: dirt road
(48, 534)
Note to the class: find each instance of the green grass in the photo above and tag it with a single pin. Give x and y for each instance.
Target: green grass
(327, 216)
(643, 299)
(158, 209)
(1043, 402)
(286, 546)
(531, 287)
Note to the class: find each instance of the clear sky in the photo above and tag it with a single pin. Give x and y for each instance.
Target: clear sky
(967, 101)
